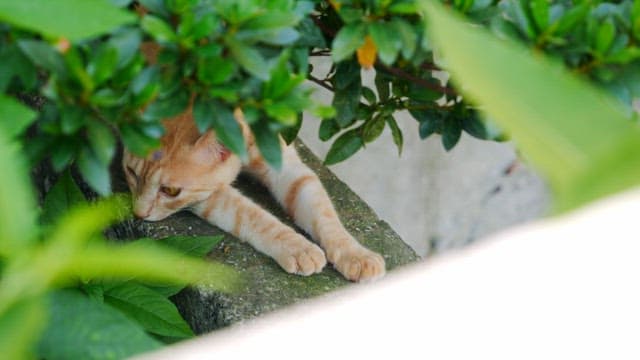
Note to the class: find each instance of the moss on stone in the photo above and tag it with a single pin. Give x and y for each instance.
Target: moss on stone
(267, 286)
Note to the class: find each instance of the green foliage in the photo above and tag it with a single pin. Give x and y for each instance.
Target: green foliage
(80, 66)
(591, 151)
(68, 250)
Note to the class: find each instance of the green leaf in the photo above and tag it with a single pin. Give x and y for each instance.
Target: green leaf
(368, 95)
(346, 102)
(540, 12)
(102, 141)
(166, 108)
(16, 65)
(345, 145)
(154, 312)
(43, 55)
(451, 131)
(63, 196)
(518, 12)
(347, 41)
(17, 203)
(153, 263)
(196, 246)
(71, 119)
(207, 113)
(94, 171)
(103, 64)
(474, 127)
(71, 19)
(157, 28)
(215, 70)
(571, 19)
(605, 36)
(268, 143)
(282, 113)
(20, 328)
(136, 141)
(396, 133)
(80, 328)
(328, 128)
(387, 42)
(574, 134)
(407, 35)
(250, 59)
(372, 129)
(310, 34)
(14, 117)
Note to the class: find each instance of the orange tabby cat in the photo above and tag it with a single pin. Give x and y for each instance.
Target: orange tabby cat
(193, 171)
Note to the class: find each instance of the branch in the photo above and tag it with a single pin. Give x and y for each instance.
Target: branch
(416, 80)
(322, 83)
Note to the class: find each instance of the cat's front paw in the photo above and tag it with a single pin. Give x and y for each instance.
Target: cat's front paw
(360, 264)
(302, 258)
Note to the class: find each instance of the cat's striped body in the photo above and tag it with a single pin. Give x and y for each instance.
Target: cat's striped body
(195, 172)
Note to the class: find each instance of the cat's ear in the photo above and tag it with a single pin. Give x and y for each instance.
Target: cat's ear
(208, 147)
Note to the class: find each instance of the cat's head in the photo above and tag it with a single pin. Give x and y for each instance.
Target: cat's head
(179, 175)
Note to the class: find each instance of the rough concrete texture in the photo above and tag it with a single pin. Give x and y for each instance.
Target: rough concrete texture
(267, 286)
(435, 199)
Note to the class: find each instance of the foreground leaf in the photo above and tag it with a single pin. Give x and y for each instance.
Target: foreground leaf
(574, 134)
(20, 327)
(14, 117)
(81, 328)
(17, 204)
(71, 19)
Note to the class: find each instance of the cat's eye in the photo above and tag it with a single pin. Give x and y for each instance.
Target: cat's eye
(170, 191)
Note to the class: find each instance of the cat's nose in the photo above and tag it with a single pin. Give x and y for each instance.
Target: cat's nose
(140, 214)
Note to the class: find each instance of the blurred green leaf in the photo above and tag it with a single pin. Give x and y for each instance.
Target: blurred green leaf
(71, 19)
(94, 171)
(154, 312)
(215, 70)
(347, 41)
(387, 42)
(407, 35)
(250, 59)
(103, 331)
(575, 135)
(540, 12)
(152, 263)
(136, 141)
(20, 327)
(605, 36)
(345, 145)
(167, 108)
(103, 63)
(17, 204)
(43, 55)
(268, 143)
(102, 141)
(197, 246)
(208, 113)
(157, 28)
(14, 117)
(62, 197)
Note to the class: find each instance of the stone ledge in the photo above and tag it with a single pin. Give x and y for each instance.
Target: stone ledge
(268, 287)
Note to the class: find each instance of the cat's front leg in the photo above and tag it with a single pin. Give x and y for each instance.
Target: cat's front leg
(228, 209)
(301, 193)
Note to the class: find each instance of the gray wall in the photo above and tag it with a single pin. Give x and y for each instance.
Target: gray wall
(435, 199)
